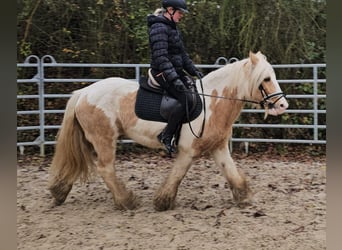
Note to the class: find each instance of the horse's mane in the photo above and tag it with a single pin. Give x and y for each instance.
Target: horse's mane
(237, 75)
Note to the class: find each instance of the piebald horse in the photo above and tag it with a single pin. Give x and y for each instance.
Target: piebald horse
(97, 115)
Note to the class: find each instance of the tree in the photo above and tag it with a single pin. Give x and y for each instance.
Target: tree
(115, 31)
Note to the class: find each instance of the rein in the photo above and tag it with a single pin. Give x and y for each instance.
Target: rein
(262, 103)
(204, 111)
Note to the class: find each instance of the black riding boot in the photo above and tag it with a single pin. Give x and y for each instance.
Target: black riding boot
(167, 135)
(175, 117)
(167, 141)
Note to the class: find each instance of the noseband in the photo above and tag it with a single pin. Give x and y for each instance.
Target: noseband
(266, 98)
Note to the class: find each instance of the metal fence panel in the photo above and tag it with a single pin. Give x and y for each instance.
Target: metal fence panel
(40, 65)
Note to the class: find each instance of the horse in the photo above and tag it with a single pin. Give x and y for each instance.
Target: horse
(97, 115)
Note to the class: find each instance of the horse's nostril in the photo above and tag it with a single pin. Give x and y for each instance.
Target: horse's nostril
(283, 106)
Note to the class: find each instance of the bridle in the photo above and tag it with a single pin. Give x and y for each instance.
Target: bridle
(266, 98)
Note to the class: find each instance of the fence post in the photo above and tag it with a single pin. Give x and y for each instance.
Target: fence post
(137, 73)
(315, 102)
(41, 108)
(40, 81)
(42, 101)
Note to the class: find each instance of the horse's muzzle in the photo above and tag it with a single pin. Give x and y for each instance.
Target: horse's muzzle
(278, 107)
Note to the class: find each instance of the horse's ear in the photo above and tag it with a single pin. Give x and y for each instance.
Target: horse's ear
(261, 55)
(253, 58)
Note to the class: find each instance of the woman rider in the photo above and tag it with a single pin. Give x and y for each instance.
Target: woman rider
(169, 60)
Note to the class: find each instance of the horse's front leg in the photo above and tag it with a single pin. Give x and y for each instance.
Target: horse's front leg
(236, 178)
(164, 198)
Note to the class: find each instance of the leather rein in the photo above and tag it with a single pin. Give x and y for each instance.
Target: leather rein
(262, 103)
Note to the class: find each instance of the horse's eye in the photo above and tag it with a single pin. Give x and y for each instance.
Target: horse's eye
(267, 79)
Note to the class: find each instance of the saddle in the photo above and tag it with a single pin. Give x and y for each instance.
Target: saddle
(154, 104)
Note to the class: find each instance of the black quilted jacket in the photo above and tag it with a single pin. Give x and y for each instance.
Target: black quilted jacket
(167, 51)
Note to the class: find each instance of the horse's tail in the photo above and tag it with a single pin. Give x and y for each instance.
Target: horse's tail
(73, 156)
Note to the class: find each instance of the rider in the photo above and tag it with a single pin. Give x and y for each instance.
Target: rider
(169, 60)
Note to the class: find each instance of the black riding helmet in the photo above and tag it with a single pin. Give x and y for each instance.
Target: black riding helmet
(176, 4)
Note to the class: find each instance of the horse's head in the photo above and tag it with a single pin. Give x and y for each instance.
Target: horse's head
(266, 88)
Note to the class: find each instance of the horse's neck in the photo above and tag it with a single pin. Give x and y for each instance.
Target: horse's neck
(228, 81)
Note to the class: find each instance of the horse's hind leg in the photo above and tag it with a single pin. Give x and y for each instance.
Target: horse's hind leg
(236, 179)
(123, 199)
(104, 143)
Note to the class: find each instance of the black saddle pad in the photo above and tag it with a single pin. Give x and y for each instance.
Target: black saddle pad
(147, 106)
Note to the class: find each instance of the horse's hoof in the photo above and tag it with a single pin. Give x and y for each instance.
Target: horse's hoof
(60, 191)
(163, 204)
(245, 203)
(243, 196)
(128, 203)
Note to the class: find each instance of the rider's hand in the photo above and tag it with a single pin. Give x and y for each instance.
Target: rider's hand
(179, 85)
(199, 74)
